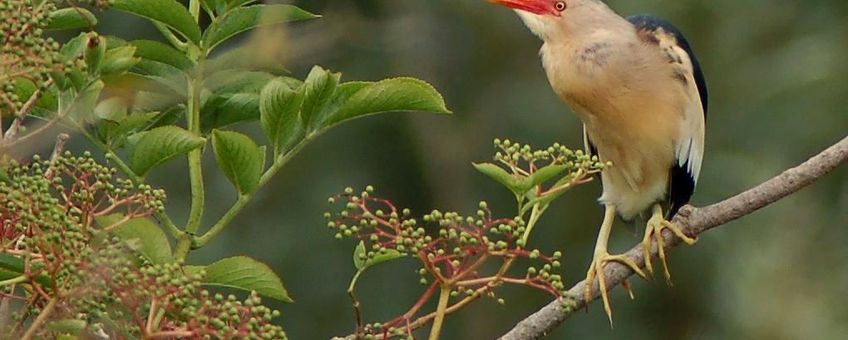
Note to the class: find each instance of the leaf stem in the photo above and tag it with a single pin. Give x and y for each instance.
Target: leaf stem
(195, 157)
(242, 201)
(356, 310)
(42, 317)
(169, 35)
(444, 297)
(122, 166)
(14, 280)
(194, 9)
(534, 217)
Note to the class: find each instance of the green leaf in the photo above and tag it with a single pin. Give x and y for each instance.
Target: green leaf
(238, 3)
(161, 144)
(135, 122)
(4, 175)
(74, 47)
(245, 273)
(222, 6)
(545, 174)
(144, 235)
(173, 79)
(194, 270)
(551, 196)
(230, 108)
(168, 12)
(71, 326)
(362, 262)
(231, 81)
(319, 87)
(245, 58)
(114, 42)
(279, 108)
(360, 256)
(216, 6)
(234, 98)
(10, 266)
(95, 51)
(340, 97)
(114, 132)
(239, 158)
(171, 88)
(114, 109)
(170, 116)
(83, 107)
(391, 95)
(510, 181)
(25, 88)
(71, 18)
(157, 51)
(246, 18)
(119, 60)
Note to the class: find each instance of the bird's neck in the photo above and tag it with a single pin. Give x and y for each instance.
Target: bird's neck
(586, 65)
(587, 19)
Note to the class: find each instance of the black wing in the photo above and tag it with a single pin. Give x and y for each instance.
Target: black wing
(681, 181)
(652, 23)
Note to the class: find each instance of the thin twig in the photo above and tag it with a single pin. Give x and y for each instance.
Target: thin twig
(351, 291)
(23, 113)
(58, 149)
(444, 297)
(693, 221)
(42, 318)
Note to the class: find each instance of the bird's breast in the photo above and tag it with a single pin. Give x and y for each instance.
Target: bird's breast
(630, 109)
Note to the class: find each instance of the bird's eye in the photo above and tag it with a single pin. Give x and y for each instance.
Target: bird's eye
(560, 6)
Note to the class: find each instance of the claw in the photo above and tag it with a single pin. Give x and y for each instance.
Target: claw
(654, 229)
(596, 270)
(626, 285)
(600, 260)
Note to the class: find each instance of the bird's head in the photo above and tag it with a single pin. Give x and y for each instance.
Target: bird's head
(547, 8)
(548, 18)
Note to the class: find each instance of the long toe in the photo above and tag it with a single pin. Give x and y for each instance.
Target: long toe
(596, 270)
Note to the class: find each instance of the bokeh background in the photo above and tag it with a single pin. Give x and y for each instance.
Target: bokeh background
(777, 78)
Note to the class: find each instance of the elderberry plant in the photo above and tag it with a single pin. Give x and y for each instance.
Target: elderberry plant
(456, 251)
(75, 249)
(89, 250)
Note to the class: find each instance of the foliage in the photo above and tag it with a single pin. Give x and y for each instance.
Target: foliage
(91, 252)
(456, 262)
(70, 236)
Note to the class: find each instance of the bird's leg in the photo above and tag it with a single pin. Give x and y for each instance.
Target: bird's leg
(601, 258)
(656, 224)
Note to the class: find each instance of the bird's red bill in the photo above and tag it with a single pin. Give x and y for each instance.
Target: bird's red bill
(539, 7)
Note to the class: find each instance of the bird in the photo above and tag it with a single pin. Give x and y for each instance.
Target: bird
(639, 90)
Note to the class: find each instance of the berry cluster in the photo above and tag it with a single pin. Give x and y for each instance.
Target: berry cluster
(28, 56)
(523, 160)
(76, 277)
(456, 251)
(29, 59)
(67, 194)
(166, 301)
(454, 256)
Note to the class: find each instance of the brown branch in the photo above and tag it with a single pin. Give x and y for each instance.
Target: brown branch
(23, 113)
(58, 149)
(693, 221)
(41, 319)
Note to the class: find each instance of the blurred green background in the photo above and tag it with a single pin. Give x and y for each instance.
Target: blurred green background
(777, 78)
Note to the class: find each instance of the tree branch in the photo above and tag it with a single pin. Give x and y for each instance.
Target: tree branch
(693, 221)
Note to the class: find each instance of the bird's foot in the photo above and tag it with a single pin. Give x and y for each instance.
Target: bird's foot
(596, 270)
(653, 232)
